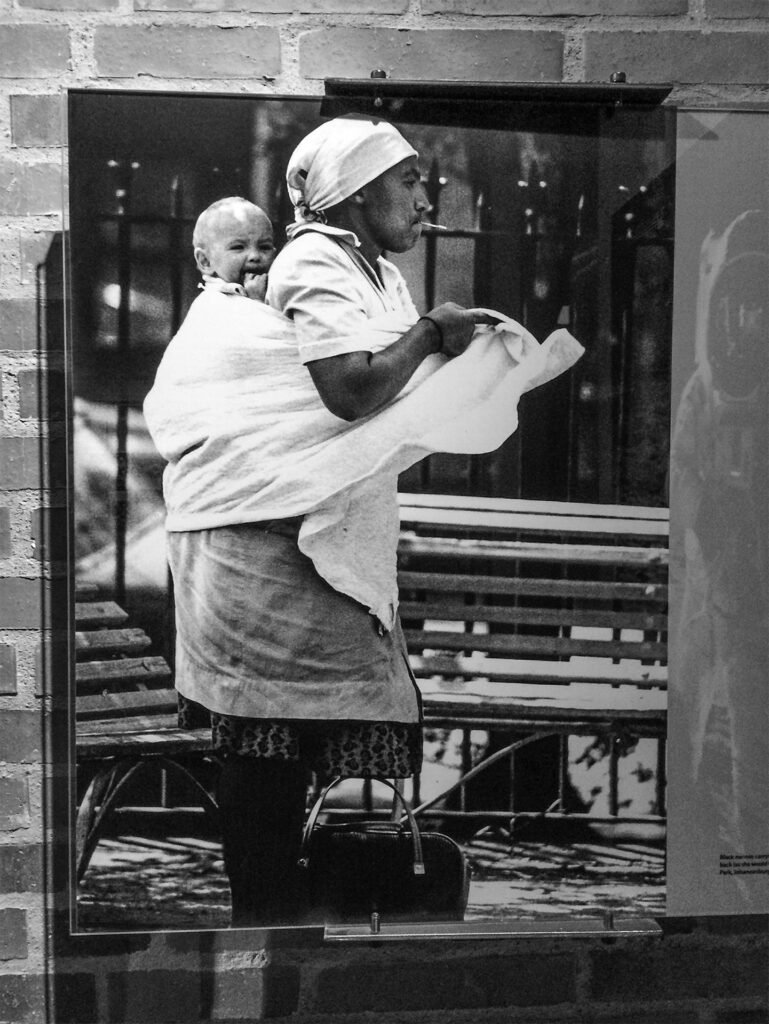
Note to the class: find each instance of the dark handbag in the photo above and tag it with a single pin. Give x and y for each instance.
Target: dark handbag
(357, 869)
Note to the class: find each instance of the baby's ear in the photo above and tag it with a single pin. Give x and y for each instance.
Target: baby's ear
(202, 260)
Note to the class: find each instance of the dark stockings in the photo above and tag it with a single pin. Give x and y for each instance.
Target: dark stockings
(262, 806)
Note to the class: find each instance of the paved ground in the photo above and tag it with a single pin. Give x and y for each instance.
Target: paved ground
(177, 883)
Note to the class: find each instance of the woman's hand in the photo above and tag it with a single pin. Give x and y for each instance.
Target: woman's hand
(456, 325)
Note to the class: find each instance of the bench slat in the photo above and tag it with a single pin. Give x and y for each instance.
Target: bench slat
(510, 550)
(527, 717)
(474, 521)
(518, 586)
(513, 614)
(120, 705)
(93, 614)
(116, 642)
(597, 670)
(568, 508)
(133, 672)
(507, 644)
(142, 737)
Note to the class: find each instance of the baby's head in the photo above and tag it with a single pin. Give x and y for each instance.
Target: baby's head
(233, 241)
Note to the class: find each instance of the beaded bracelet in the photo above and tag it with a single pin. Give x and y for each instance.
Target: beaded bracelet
(438, 328)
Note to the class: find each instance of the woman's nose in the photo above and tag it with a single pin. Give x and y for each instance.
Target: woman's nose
(423, 204)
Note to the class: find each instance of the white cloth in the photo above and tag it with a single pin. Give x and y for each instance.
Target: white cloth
(246, 437)
(339, 157)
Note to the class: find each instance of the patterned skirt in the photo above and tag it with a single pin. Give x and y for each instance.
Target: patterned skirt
(389, 750)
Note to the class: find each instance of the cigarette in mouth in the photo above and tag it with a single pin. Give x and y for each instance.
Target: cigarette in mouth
(434, 227)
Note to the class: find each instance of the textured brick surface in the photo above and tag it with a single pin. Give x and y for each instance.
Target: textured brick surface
(728, 57)
(576, 8)
(13, 934)
(186, 52)
(33, 51)
(5, 532)
(21, 868)
(49, 533)
(31, 603)
(30, 462)
(217, 6)
(459, 984)
(263, 993)
(22, 998)
(36, 248)
(37, 120)
(737, 8)
(14, 799)
(755, 1016)
(29, 189)
(8, 681)
(680, 974)
(18, 327)
(69, 5)
(503, 55)
(41, 394)
(21, 736)
(160, 996)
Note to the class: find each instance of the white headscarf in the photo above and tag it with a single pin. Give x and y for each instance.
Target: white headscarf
(336, 159)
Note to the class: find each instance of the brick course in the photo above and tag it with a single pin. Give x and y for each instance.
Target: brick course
(14, 797)
(737, 8)
(728, 57)
(69, 5)
(13, 934)
(22, 998)
(18, 330)
(481, 56)
(36, 121)
(21, 868)
(556, 8)
(708, 972)
(536, 980)
(33, 51)
(8, 682)
(186, 52)
(28, 189)
(5, 532)
(21, 736)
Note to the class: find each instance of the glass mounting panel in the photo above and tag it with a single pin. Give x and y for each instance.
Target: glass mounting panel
(558, 204)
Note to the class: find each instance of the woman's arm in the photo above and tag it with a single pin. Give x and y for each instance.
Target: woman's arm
(354, 384)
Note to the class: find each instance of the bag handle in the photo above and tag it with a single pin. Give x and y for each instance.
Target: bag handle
(416, 839)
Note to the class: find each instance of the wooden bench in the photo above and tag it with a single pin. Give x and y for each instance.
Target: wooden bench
(126, 717)
(533, 618)
(538, 618)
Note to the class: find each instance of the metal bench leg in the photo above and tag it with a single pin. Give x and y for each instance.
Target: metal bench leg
(102, 793)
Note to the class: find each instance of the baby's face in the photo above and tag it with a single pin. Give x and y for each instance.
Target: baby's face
(239, 245)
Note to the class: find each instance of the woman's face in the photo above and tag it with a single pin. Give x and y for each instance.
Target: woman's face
(393, 207)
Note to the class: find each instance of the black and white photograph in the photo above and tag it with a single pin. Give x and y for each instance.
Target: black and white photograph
(370, 405)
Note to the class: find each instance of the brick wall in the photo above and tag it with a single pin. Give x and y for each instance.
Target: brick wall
(700, 972)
